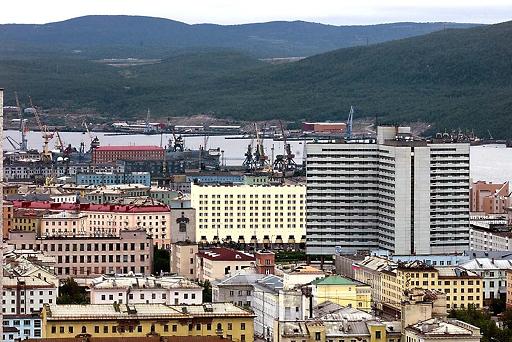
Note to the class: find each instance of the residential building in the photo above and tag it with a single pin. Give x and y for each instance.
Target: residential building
(43, 193)
(237, 288)
(265, 262)
(113, 178)
(109, 154)
(26, 295)
(215, 177)
(7, 218)
(183, 259)
(111, 219)
(139, 320)
(64, 223)
(28, 263)
(183, 220)
(21, 327)
(490, 234)
(494, 276)
(370, 271)
(150, 338)
(265, 305)
(107, 194)
(342, 291)
(218, 262)
(136, 289)
(267, 215)
(26, 219)
(437, 330)
(395, 192)
(87, 257)
(489, 198)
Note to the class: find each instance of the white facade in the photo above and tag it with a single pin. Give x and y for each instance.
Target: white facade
(392, 193)
(493, 273)
(268, 213)
(21, 327)
(486, 240)
(265, 305)
(145, 290)
(26, 295)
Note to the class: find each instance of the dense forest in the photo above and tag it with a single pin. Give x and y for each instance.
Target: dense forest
(454, 78)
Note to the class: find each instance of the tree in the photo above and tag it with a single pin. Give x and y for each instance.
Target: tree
(207, 291)
(161, 261)
(71, 293)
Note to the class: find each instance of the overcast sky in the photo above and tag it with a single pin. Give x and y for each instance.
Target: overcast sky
(338, 12)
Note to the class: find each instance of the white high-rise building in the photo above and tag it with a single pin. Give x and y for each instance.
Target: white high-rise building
(394, 192)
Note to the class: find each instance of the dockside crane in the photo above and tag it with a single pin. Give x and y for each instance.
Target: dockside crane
(349, 122)
(23, 126)
(46, 155)
(285, 162)
(261, 159)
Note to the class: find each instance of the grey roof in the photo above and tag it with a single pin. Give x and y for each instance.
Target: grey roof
(507, 255)
(240, 279)
(270, 282)
(348, 328)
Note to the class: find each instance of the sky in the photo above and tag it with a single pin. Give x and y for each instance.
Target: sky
(336, 12)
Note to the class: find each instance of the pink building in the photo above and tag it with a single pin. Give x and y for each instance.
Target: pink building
(489, 198)
(85, 257)
(104, 219)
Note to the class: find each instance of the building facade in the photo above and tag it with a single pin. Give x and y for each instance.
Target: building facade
(135, 289)
(272, 215)
(489, 198)
(21, 327)
(26, 295)
(217, 262)
(87, 257)
(139, 320)
(394, 193)
(111, 154)
(183, 259)
(112, 178)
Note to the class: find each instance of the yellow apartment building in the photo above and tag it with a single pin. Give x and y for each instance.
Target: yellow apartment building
(263, 214)
(342, 291)
(139, 320)
(462, 287)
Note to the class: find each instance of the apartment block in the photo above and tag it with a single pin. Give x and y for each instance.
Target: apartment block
(137, 289)
(183, 259)
(111, 178)
(26, 295)
(217, 262)
(394, 192)
(141, 320)
(269, 215)
(87, 257)
(21, 327)
(490, 198)
(102, 219)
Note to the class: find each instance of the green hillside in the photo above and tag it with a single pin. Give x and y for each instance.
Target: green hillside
(452, 79)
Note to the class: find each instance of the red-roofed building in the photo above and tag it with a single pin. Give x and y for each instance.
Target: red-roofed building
(104, 219)
(218, 262)
(108, 154)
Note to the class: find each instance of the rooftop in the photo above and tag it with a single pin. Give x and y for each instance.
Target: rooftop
(225, 254)
(336, 280)
(142, 311)
(132, 339)
(437, 327)
(156, 207)
(306, 269)
(150, 282)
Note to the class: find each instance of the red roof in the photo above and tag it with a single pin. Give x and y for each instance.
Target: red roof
(129, 148)
(91, 207)
(225, 254)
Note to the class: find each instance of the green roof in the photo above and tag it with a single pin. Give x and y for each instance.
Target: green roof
(335, 280)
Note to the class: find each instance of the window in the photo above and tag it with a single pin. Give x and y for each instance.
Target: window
(105, 329)
(70, 329)
(198, 326)
(378, 335)
(230, 326)
(174, 328)
(317, 336)
(84, 329)
(96, 329)
(208, 326)
(61, 330)
(242, 326)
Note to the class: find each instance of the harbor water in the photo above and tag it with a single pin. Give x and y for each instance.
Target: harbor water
(488, 162)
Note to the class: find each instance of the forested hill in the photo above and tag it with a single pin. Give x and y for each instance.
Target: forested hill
(456, 78)
(135, 36)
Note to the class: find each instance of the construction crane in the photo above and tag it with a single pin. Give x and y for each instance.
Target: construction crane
(179, 144)
(349, 122)
(23, 126)
(46, 155)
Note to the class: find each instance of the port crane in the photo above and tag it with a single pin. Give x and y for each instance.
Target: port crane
(285, 162)
(179, 144)
(46, 155)
(23, 126)
(349, 123)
